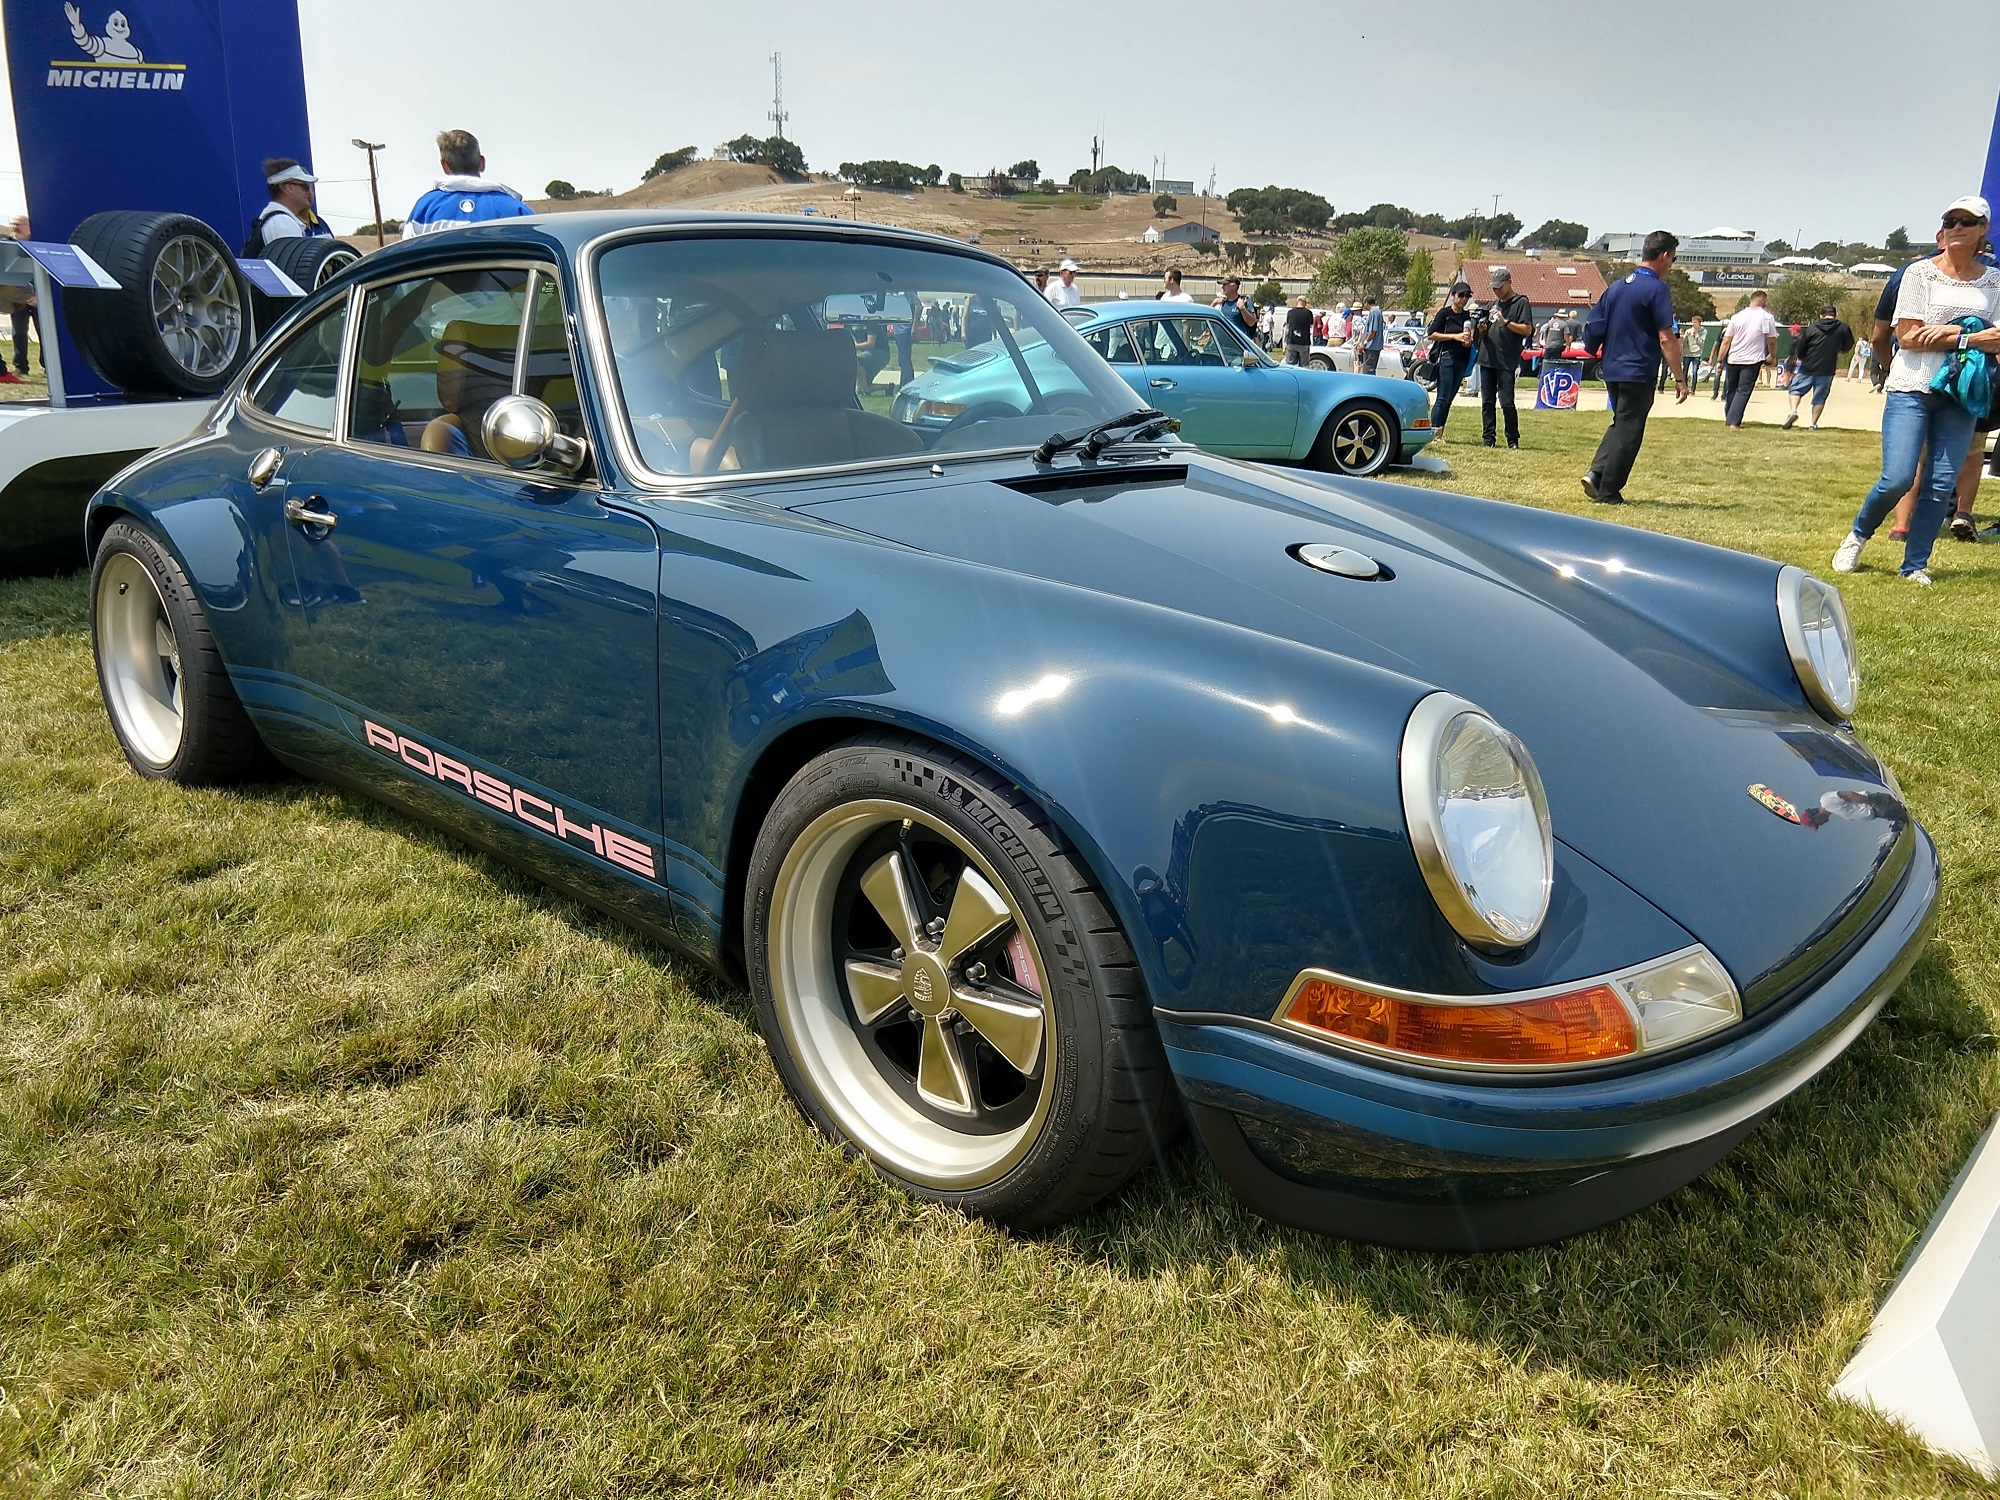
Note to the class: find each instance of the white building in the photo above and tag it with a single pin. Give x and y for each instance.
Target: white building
(1721, 246)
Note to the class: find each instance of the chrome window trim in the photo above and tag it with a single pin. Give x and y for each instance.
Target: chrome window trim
(1418, 774)
(261, 366)
(1791, 579)
(604, 373)
(1355, 1046)
(451, 462)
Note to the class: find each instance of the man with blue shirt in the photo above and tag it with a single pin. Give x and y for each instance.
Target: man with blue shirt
(1629, 332)
(1368, 338)
(463, 195)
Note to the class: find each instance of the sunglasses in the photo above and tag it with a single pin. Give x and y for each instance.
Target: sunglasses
(1960, 221)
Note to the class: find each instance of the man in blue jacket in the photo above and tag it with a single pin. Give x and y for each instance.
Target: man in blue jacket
(1630, 331)
(463, 195)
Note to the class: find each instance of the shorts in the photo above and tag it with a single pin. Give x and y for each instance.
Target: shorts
(1819, 386)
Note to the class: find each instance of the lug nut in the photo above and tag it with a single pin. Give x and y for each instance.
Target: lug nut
(976, 973)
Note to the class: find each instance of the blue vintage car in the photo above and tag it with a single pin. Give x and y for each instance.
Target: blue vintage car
(1467, 874)
(1229, 396)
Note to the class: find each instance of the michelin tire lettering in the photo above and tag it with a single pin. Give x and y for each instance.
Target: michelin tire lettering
(547, 816)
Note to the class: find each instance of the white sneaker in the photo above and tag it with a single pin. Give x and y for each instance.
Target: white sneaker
(1920, 576)
(1847, 556)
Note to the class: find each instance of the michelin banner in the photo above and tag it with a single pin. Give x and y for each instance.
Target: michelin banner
(155, 105)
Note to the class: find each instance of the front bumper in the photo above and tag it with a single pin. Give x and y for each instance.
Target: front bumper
(1416, 1158)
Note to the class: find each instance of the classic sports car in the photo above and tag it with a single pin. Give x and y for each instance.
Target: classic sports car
(1188, 362)
(1468, 874)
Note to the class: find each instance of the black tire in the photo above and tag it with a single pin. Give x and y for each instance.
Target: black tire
(310, 260)
(192, 348)
(1359, 439)
(197, 736)
(1320, 361)
(1097, 1104)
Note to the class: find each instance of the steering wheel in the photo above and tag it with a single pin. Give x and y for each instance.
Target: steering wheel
(984, 411)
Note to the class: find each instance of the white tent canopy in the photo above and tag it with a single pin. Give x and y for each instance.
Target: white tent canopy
(1724, 232)
(1872, 268)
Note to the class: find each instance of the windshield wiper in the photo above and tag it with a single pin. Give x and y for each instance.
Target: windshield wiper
(1134, 426)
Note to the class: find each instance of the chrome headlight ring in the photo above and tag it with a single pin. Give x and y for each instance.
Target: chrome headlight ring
(1820, 642)
(1479, 823)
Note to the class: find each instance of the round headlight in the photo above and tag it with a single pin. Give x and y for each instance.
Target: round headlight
(1821, 642)
(1479, 823)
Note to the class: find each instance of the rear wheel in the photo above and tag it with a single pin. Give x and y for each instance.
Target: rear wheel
(1359, 439)
(178, 324)
(944, 989)
(172, 705)
(1320, 361)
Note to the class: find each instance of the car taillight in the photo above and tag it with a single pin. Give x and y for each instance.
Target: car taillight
(1586, 1025)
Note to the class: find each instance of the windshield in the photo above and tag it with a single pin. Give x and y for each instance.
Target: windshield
(764, 353)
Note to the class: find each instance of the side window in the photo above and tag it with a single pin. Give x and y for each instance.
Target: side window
(1114, 342)
(301, 385)
(550, 377)
(1192, 341)
(435, 353)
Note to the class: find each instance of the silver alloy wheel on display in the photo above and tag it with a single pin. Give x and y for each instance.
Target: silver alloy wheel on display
(140, 660)
(1361, 441)
(197, 306)
(911, 995)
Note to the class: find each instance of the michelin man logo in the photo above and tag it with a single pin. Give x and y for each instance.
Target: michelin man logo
(115, 46)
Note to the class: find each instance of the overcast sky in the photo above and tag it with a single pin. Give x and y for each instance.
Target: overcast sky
(1751, 113)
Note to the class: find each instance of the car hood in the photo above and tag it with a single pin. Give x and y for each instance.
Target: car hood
(1647, 675)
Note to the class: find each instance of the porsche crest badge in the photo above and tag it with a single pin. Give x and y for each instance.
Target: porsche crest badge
(1775, 803)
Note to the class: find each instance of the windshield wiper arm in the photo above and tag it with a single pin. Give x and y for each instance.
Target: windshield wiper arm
(1143, 424)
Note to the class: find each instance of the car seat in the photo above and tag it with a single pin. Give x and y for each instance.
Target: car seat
(475, 368)
(792, 407)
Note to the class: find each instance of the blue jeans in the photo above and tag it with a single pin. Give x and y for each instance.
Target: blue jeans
(1910, 420)
(1451, 370)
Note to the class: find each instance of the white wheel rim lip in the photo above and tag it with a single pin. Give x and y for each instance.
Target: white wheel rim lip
(332, 266)
(1362, 432)
(143, 696)
(820, 1036)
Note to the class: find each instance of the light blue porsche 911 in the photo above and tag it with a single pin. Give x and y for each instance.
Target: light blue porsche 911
(1188, 362)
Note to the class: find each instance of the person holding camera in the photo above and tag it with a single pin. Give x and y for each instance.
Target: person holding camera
(1502, 327)
(1451, 350)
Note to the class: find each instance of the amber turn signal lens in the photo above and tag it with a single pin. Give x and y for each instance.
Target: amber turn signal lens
(1587, 1025)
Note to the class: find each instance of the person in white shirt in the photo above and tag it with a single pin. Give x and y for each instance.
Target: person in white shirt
(1922, 428)
(1063, 291)
(1749, 342)
(1170, 290)
(290, 214)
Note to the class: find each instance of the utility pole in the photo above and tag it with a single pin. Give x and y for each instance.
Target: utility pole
(374, 193)
(1096, 153)
(778, 116)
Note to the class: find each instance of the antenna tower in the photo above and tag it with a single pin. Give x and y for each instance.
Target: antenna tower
(778, 115)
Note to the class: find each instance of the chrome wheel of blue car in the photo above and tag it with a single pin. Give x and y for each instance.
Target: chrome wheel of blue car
(1359, 440)
(898, 929)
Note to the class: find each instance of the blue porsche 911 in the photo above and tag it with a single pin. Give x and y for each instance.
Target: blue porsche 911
(1196, 366)
(1467, 875)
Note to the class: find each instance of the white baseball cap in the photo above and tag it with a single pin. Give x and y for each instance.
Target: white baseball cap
(1972, 204)
(1066, 264)
(293, 173)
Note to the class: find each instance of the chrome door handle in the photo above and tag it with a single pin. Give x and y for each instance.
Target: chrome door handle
(300, 513)
(1162, 385)
(264, 467)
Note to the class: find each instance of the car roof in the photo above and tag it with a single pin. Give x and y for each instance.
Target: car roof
(567, 233)
(1150, 307)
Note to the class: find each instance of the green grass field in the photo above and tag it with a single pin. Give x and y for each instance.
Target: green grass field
(335, 1160)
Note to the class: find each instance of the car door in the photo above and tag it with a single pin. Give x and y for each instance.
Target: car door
(487, 632)
(1195, 371)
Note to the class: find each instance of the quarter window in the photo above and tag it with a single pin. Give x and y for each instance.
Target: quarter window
(435, 353)
(302, 384)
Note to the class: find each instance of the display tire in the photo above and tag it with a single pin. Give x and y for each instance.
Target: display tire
(1344, 447)
(143, 351)
(213, 742)
(310, 260)
(1107, 1104)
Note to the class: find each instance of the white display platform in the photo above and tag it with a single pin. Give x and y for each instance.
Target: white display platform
(33, 432)
(1932, 1358)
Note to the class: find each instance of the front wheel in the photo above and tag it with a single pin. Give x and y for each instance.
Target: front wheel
(944, 989)
(1321, 361)
(1358, 440)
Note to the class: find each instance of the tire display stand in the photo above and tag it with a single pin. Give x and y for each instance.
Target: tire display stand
(1930, 1360)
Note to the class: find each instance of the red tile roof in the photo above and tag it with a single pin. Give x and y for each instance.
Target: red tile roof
(1546, 283)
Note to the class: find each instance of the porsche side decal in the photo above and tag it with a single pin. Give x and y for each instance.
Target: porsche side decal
(537, 812)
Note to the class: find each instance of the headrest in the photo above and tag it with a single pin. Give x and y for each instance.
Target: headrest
(485, 348)
(780, 367)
